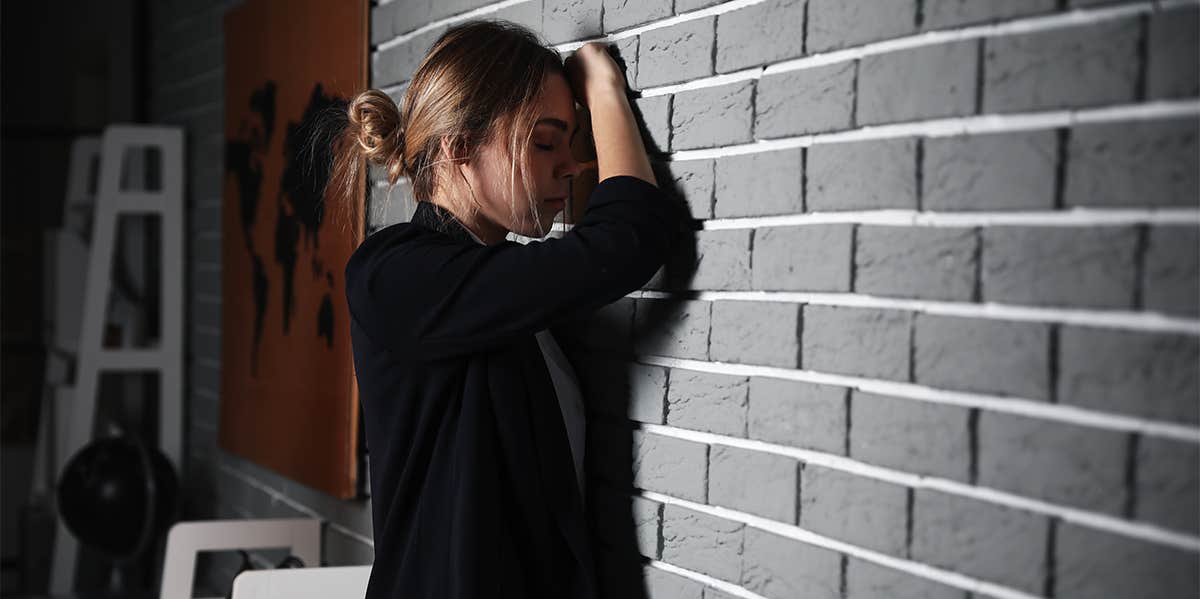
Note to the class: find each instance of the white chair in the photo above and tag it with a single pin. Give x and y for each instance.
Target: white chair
(302, 536)
(302, 583)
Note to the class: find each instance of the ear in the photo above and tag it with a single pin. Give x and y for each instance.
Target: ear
(453, 149)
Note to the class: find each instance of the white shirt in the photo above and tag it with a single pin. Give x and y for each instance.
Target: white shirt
(566, 388)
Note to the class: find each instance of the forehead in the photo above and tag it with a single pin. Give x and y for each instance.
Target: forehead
(557, 102)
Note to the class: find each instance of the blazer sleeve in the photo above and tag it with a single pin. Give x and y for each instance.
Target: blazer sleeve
(432, 297)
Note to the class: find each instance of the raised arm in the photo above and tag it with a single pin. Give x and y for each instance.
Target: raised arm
(597, 82)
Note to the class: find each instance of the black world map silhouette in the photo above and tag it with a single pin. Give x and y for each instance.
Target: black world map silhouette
(300, 210)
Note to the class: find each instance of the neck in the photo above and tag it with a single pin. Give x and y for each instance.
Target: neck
(479, 226)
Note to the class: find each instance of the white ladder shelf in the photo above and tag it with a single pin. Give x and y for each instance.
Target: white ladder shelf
(111, 202)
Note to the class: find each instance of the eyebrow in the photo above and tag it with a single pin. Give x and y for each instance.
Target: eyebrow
(558, 124)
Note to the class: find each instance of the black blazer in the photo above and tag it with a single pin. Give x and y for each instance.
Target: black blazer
(473, 492)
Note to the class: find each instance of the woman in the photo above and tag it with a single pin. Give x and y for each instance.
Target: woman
(473, 417)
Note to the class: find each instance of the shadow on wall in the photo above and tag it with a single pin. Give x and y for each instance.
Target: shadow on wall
(619, 391)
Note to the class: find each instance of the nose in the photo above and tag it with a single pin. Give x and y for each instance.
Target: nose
(572, 168)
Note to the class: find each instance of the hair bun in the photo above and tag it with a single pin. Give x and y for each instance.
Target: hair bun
(375, 120)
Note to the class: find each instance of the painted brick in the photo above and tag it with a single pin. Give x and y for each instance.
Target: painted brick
(388, 207)
(1167, 492)
(655, 114)
(609, 453)
(1061, 463)
(722, 259)
(678, 329)
(751, 481)
(715, 403)
(623, 14)
(865, 580)
(759, 184)
(713, 116)
(621, 389)
(398, 63)
(682, 6)
(567, 20)
(1073, 266)
(1172, 66)
(988, 356)
(940, 14)
(861, 511)
(1153, 375)
(766, 333)
(811, 100)
(920, 262)
(1072, 67)
(1169, 277)
(908, 435)
(627, 58)
(918, 83)
(691, 179)
(381, 22)
(668, 465)
(862, 175)
(647, 388)
(623, 520)
(1006, 171)
(1093, 563)
(703, 543)
(858, 341)
(445, 8)
(777, 567)
(661, 584)
(806, 258)
(676, 53)
(760, 34)
(1134, 164)
(992, 542)
(841, 23)
(798, 414)
(608, 328)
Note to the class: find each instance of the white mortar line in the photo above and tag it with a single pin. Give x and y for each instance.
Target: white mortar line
(1018, 26)
(702, 13)
(1071, 217)
(704, 579)
(1002, 404)
(292, 503)
(1114, 319)
(952, 126)
(1105, 522)
(451, 20)
(804, 536)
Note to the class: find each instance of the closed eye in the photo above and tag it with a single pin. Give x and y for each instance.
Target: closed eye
(544, 147)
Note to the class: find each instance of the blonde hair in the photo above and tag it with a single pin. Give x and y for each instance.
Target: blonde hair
(480, 80)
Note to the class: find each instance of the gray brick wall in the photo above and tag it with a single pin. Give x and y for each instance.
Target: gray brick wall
(936, 334)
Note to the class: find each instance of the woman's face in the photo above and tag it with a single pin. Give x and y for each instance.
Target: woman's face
(551, 166)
